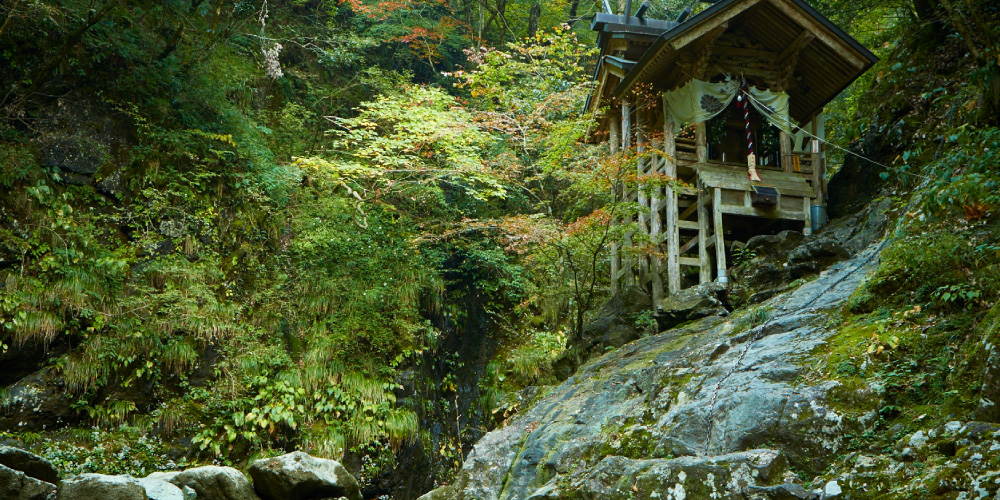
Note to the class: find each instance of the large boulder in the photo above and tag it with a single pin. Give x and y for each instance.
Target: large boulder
(300, 476)
(615, 323)
(815, 255)
(29, 463)
(158, 489)
(16, 485)
(36, 402)
(211, 482)
(690, 304)
(101, 487)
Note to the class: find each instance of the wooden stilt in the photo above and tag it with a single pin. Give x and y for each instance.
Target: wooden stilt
(628, 263)
(786, 151)
(701, 142)
(807, 216)
(642, 196)
(672, 233)
(720, 246)
(705, 272)
(819, 176)
(614, 128)
(656, 226)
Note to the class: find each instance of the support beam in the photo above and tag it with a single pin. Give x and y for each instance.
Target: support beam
(701, 142)
(705, 271)
(656, 228)
(628, 263)
(785, 141)
(807, 216)
(642, 196)
(819, 172)
(703, 50)
(614, 129)
(670, 213)
(720, 245)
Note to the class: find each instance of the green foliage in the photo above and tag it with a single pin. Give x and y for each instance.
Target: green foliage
(932, 264)
(124, 450)
(966, 177)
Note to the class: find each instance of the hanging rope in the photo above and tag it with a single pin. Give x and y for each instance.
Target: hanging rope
(751, 158)
(794, 126)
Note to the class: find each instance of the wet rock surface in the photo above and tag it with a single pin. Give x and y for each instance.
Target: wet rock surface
(717, 399)
(101, 487)
(212, 482)
(299, 476)
(28, 463)
(36, 402)
(16, 485)
(706, 299)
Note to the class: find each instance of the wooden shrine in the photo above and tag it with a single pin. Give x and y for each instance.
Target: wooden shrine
(732, 54)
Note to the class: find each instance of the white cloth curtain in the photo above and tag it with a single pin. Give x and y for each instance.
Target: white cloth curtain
(774, 107)
(698, 101)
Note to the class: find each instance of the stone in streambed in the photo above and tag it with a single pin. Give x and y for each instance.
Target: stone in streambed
(211, 482)
(16, 485)
(101, 487)
(300, 476)
(29, 463)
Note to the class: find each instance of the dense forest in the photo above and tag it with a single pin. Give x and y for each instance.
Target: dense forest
(374, 231)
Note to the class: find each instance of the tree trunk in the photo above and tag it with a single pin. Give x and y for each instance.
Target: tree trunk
(533, 15)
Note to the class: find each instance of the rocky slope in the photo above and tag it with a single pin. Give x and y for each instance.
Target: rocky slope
(721, 407)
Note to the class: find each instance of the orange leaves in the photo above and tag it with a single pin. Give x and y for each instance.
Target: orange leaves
(380, 10)
(975, 210)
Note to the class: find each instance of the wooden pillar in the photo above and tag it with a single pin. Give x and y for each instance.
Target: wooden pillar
(626, 125)
(642, 196)
(705, 269)
(655, 225)
(786, 151)
(628, 263)
(807, 215)
(670, 212)
(701, 142)
(819, 175)
(720, 245)
(614, 132)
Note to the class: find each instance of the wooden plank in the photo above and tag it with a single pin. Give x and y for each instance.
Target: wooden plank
(720, 245)
(765, 214)
(763, 55)
(688, 211)
(689, 245)
(687, 224)
(689, 261)
(735, 178)
(785, 188)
